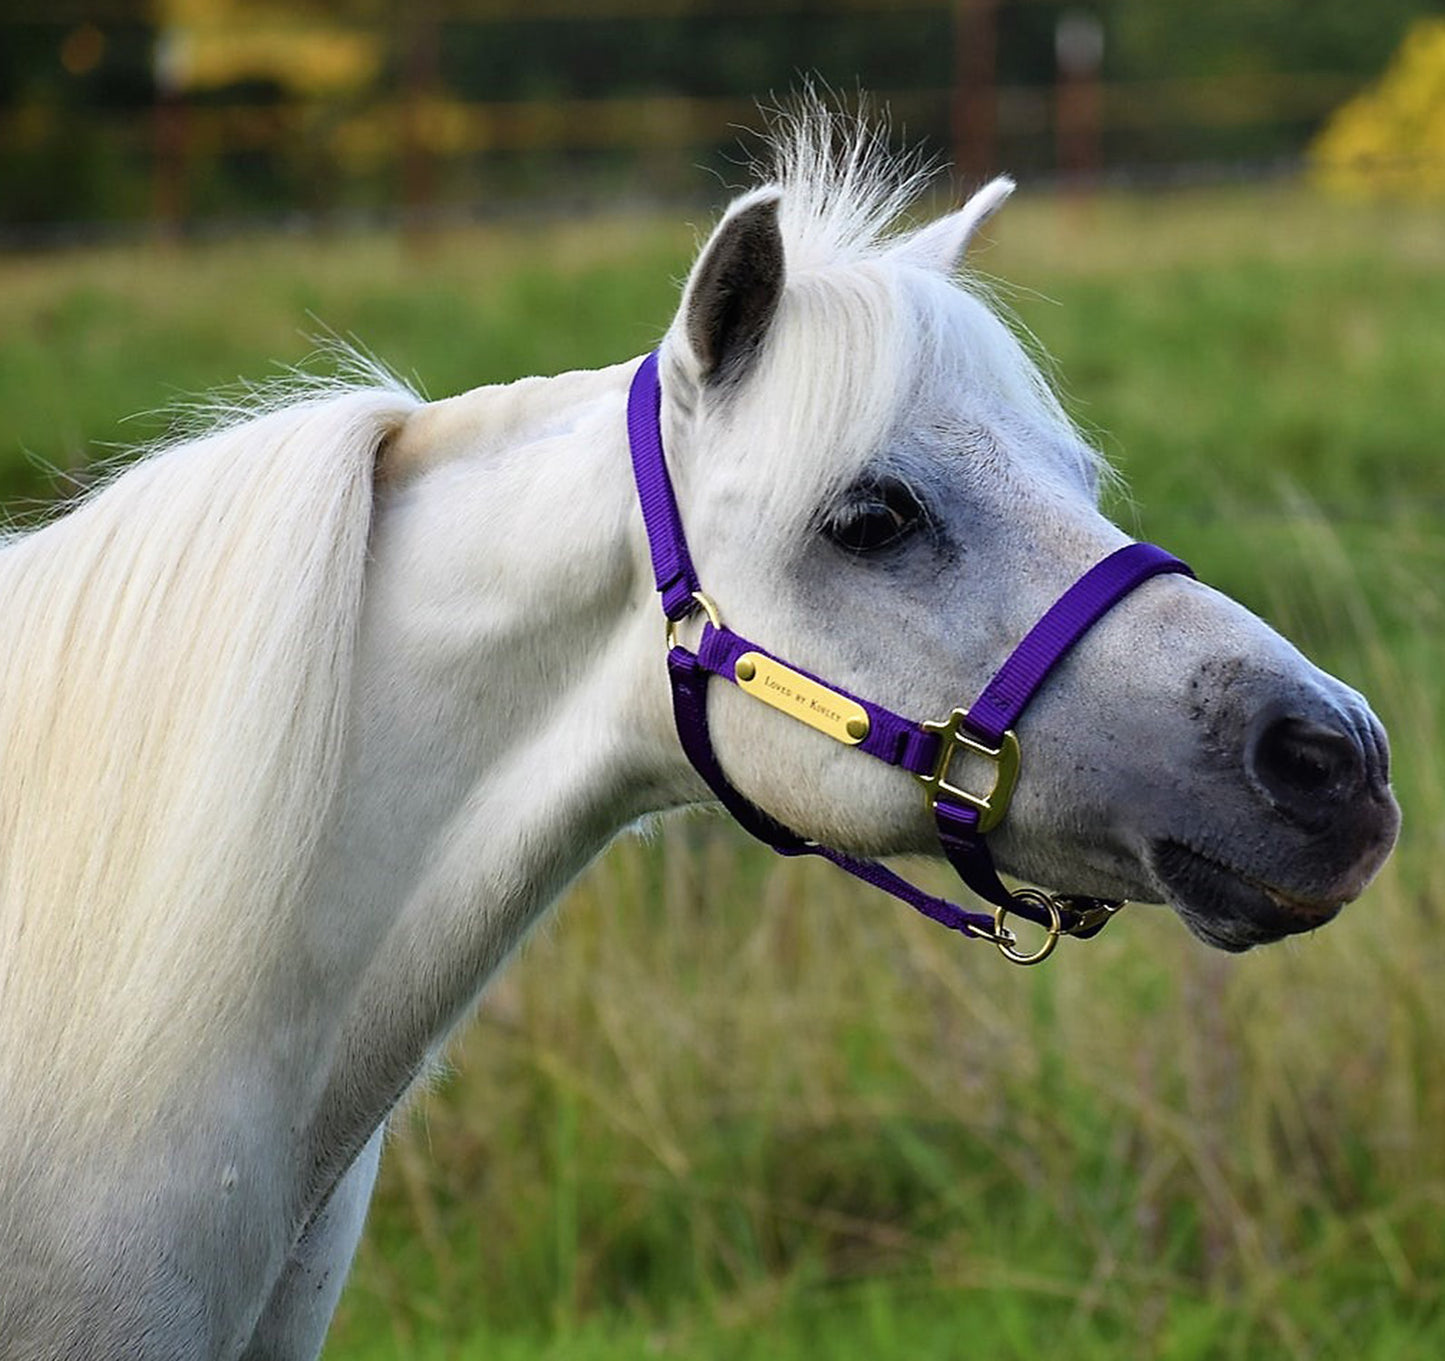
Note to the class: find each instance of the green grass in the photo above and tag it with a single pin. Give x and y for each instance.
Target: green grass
(727, 1106)
(1002, 1317)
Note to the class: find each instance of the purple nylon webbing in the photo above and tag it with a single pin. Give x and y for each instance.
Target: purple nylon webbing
(672, 567)
(892, 738)
(690, 679)
(1071, 616)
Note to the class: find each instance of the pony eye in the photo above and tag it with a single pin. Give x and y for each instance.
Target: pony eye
(880, 515)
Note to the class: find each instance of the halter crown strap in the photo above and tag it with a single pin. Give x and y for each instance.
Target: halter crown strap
(923, 749)
(672, 567)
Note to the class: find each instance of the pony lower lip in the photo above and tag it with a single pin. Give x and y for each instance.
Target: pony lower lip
(1316, 911)
(1230, 907)
(1319, 908)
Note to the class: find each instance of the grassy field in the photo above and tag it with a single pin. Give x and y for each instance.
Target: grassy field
(731, 1107)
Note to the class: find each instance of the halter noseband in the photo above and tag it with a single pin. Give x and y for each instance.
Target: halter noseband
(926, 750)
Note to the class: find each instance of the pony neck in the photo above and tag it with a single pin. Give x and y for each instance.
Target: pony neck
(510, 708)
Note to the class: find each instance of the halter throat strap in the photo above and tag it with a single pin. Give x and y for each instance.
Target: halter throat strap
(926, 750)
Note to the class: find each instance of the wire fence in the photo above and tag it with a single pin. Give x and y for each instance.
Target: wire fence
(186, 115)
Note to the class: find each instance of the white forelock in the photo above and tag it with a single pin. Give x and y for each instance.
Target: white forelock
(875, 315)
(845, 192)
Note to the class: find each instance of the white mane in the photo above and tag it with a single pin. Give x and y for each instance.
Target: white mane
(174, 666)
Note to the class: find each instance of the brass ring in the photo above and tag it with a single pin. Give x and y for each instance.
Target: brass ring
(705, 601)
(1006, 938)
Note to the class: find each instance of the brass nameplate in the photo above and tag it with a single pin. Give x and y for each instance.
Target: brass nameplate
(841, 718)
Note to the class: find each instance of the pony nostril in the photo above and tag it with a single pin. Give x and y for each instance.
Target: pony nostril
(1306, 768)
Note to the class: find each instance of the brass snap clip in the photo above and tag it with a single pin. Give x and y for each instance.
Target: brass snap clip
(1089, 916)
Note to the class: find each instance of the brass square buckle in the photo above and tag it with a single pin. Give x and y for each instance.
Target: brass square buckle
(954, 738)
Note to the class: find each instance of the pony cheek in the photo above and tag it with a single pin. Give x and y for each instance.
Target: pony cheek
(815, 786)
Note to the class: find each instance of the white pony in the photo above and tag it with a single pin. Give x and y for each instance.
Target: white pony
(305, 722)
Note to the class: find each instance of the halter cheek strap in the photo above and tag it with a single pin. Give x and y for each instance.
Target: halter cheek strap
(927, 750)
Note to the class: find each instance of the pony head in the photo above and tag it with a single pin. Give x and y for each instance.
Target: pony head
(879, 484)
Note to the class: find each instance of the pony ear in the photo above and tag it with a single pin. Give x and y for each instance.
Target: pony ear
(733, 290)
(942, 245)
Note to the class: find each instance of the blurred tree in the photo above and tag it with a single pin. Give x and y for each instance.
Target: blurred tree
(1227, 42)
(58, 162)
(209, 44)
(1390, 139)
(1152, 38)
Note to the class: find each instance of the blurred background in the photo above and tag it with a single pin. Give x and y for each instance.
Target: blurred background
(198, 115)
(724, 1106)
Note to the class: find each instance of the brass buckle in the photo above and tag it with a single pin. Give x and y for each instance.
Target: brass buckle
(1007, 942)
(954, 737)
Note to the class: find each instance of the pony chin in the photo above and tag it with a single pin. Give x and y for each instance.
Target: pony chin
(1232, 909)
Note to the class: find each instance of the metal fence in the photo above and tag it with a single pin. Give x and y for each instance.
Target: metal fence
(166, 114)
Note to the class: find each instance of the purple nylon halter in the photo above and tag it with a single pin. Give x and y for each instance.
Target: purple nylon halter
(925, 750)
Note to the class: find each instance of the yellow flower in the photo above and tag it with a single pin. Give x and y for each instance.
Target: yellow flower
(210, 43)
(1390, 139)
